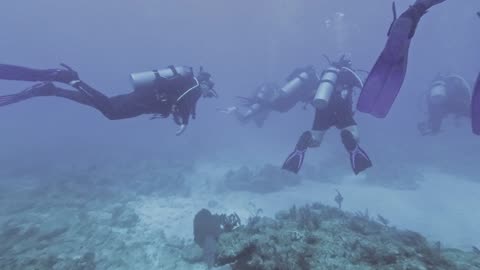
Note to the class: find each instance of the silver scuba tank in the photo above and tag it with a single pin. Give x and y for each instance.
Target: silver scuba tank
(295, 84)
(252, 110)
(147, 79)
(438, 92)
(325, 89)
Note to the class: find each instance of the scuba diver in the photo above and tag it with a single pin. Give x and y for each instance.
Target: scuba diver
(446, 95)
(387, 75)
(171, 91)
(333, 101)
(476, 107)
(269, 97)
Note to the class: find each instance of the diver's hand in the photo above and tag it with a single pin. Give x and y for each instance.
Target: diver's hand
(181, 129)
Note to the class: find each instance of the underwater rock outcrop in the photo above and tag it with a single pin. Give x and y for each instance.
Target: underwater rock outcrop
(322, 237)
(269, 178)
(206, 230)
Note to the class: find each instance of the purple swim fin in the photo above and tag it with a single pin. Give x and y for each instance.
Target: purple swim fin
(387, 75)
(476, 107)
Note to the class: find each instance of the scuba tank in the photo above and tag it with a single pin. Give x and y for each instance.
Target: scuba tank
(252, 110)
(294, 83)
(298, 81)
(325, 88)
(438, 92)
(148, 79)
(261, 99)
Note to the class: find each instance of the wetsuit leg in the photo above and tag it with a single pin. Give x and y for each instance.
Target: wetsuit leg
(117, 107)
(435, 118)
(359, 159)
(324, 119)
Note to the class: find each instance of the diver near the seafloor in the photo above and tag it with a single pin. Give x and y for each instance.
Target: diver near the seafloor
(334, 107)
(387, 75)
(476, 107)
(171, 91)
(447, 95)
(268, 97)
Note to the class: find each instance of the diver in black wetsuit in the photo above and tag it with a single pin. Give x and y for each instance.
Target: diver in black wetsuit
(171, 91)
(333, 101)
(447, 95)
(268, 97)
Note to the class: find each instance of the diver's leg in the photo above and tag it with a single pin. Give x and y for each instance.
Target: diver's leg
(19, 73)
(311, 138)
(113, 108)
(98, 100)
(359, 159)
(435, 118)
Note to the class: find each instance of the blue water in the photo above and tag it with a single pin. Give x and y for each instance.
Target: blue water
(242, 43)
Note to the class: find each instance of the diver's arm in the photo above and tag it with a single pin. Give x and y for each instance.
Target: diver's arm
(179, 120)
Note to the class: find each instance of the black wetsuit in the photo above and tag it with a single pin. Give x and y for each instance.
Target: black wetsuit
(339, 112)
(163, 100)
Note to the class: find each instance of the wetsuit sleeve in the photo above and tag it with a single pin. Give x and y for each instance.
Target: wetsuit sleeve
(187, 106)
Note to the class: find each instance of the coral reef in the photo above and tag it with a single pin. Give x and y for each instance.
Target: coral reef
(84, 219)
(322, 237)
(267, 179)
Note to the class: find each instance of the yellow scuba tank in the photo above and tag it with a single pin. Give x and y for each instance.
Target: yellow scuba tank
(148, 79)
(438, 92)
(326, 87)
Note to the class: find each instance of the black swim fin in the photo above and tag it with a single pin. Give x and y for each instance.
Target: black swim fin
(359, 160)
(358, 157)
(294, 161)
(39, 89)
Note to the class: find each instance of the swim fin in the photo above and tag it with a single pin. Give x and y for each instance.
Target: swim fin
(387, 75)
(476, 107)
(359, 159)
(294, 161)
(19, 73)
(39, 89)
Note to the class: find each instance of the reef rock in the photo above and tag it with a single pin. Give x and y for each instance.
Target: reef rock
(321, 237)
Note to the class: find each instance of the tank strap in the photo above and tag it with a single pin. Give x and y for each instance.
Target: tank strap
(328, 81)
(174, 70)
(157, 75)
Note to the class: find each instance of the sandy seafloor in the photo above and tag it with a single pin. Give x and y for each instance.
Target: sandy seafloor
(156, 202)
